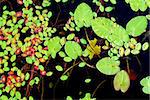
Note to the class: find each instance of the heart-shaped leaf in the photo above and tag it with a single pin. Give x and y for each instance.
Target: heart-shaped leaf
(145, 82)
(121, 81)
(85, 11)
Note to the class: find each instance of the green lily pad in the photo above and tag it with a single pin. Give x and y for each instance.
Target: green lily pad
(69, 98)
(54, 46)
(136, 26)
(121, 81)
(145, 82)
(108, 66)
(146, 90)
(73, 49)
(85, 11)
(107, 29)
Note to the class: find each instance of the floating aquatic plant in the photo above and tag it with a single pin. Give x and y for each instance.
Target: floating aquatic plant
(121, 81)
(107, 63)
(145, 82)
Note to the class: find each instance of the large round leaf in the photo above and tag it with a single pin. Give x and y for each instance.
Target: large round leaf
(107, 29)
(136, 26)
(83, 15)
(73, 49)
(102, 26)
(108, 66)
(121, 81)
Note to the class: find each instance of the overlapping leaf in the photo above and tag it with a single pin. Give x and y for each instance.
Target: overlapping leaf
(137, 5)
(145, 82)
(107, 29)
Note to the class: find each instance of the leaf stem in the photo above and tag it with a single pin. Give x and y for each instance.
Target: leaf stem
(42, 89)
(91, 66)
(138, 61)
(70, 68)
(98, 87)
(28, 86)
(128, 69)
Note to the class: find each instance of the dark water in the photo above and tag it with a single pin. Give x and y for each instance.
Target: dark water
(75, 84)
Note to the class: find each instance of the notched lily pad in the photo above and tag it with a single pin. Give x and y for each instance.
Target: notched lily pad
(83, 15)
(54, 46)
(121, 81)
(108, 66)
(145, 82)
(107, 29)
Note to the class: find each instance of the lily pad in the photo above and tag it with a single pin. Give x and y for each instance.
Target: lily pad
(54, 46)
(121, 81)
(107, 29)
(83, 15)
(108, 66)
(73, 49)
(136, 26)
(145, 82)
(146, 90)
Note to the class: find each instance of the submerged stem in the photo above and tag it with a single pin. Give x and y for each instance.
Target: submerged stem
(128, 69)
(74, 64)
(98, 87)
(42, 89)
(91, 66)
